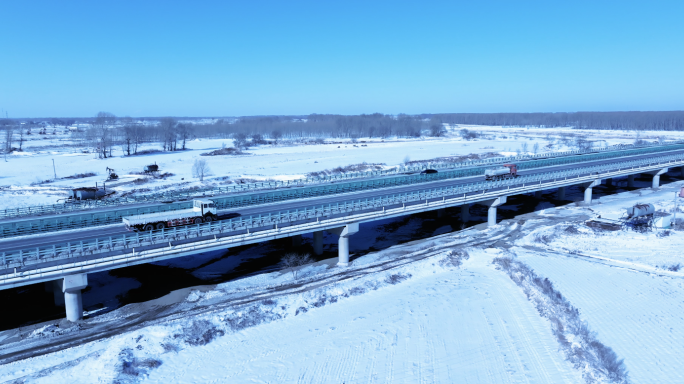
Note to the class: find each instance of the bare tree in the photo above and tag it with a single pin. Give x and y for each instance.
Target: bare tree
(523, 147)
(276, 135)
(184, 133)
(294, 260)
(167, 127)
(102, 126)
(436, 128)
(200, 169)
(535, 148)
(21, 138)
(8, 140)
(240, 141)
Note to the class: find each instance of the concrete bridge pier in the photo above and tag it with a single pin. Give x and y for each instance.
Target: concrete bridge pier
(72, 286)
(343, 245)
(561, 193)
(465, 213)
(630, 181)
(491, 213)
(318, 242)
(656, 177)
(589, 189)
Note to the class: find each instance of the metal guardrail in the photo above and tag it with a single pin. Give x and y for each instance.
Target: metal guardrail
(84, 220)
(124, 242)
(76, 206)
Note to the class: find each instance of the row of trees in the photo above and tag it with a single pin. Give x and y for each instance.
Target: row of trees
(333, 126)
(639, 121)
(107, 132)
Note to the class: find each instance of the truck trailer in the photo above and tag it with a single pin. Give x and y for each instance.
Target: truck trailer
(202, 211)
(506, 171)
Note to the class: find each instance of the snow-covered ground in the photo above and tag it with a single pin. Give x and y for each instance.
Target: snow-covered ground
(442, 309)
(436, 310)
(28, 177)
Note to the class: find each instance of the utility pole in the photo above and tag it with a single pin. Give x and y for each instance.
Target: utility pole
(53, 168)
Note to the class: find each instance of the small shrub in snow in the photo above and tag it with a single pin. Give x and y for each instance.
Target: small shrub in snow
(294, 260)
(301, 310)
(268, 302)
(674, 267)
(201, 332)
(396, 278)
(133, 366)
(81, 175)
(250, 317)
(454, 258)
(355, 291)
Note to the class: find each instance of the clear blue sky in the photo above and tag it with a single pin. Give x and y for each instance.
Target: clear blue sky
(231, 58)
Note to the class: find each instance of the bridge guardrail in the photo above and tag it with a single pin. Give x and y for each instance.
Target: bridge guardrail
(175, 195)
(112, 243)
(38, 225)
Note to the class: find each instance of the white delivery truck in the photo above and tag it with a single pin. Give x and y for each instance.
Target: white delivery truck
(202, 211)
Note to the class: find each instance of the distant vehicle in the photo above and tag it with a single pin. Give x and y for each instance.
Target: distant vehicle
(506, 171)
(428, 171)
(202, 211)
(151, 168)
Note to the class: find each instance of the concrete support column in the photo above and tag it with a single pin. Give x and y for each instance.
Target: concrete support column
(681, 171)
(656, 177)
(491, 213)
(587, 195)
(72, 286)
(318, 242)
(537, 194)
(297, 241)
(465, 213)
(561, 193)
(441, 213)
(630, 181)
(589, 189)
(343, 247)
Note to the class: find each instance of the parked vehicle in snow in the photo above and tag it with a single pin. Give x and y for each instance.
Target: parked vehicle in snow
(202, 211)
(506, 171)
(151, 168)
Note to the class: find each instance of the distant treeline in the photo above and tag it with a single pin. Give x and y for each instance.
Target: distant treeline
(639, 121)
(335, 126)
(106, 131)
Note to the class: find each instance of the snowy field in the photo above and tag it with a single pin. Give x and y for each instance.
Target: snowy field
(470, 306)
(436, 310)
(28, 178)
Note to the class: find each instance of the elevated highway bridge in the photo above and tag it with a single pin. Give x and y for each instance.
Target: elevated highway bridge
(66, 254)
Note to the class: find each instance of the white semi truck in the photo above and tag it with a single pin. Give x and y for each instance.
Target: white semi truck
(202, 211)
(505, 171)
